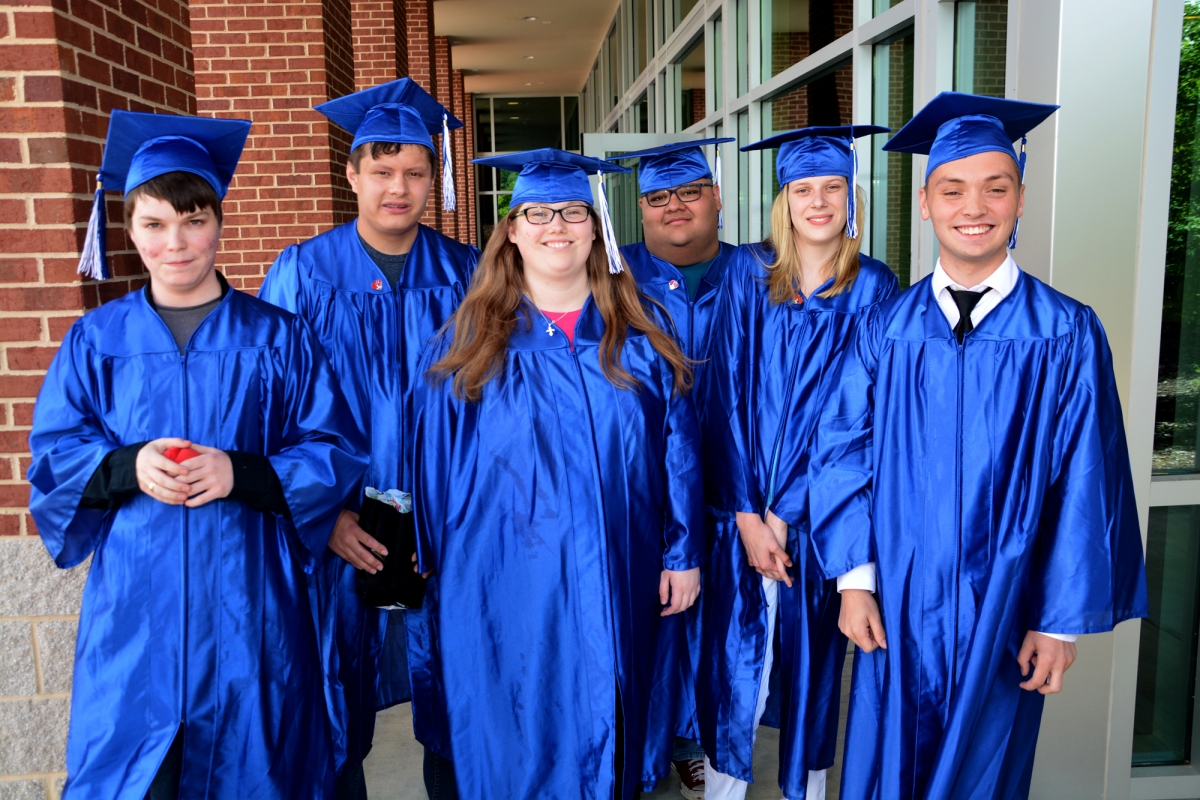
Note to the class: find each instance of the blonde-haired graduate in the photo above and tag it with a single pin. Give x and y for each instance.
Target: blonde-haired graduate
(789, 306)
(557, 470)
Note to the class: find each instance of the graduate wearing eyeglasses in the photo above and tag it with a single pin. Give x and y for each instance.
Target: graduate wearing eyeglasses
(192, 440)
(787, 311)
(557, 498)
(680, 264)
(971, 488)
(375, 289)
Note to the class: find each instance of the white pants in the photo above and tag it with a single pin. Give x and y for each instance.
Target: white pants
(718, 785)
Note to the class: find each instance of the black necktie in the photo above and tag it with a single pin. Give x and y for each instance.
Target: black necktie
(966, 302)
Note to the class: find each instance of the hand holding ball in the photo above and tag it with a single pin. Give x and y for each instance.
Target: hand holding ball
(180, 454)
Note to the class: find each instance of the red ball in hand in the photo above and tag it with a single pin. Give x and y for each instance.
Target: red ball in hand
(180, 454)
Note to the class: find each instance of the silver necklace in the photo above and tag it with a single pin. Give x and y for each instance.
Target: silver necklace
(550, 325)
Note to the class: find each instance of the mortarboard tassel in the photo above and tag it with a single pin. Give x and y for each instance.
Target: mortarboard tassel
(1012, 239)
(93, 262)
(717, 182)
(606, 228)
(852, 194)
(449, 200)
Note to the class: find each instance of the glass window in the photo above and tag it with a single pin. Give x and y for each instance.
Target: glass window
(691, 83)
(743, 47)
(883, 5)
(794, 29)
(487, 217)
(571, 115)
(891, 173)
(743, 134)
(642, 26)
(1162, 726)
(827, 100)
(1175, 440)
(980, 46)
(622, 192)
(718, 65)
(642, 107)
(524, 123)
(483, 124)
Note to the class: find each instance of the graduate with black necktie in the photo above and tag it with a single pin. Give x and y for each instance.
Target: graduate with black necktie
(971, 487)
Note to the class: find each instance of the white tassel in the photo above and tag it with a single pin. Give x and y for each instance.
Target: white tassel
(717, 182)
(852, 194)
(610, 236)
(449, 200)
(93, 261)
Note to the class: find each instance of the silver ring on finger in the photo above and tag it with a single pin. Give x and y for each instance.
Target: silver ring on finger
(153, 487)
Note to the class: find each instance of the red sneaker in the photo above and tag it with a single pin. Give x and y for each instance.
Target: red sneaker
(691, 778)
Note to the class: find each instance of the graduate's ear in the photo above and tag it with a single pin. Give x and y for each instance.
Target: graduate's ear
(717, 196)
(512, 234)
(352, 175)
(923, 202)
(1020, 200)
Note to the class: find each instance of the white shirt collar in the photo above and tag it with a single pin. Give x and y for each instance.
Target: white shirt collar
(1001, 281)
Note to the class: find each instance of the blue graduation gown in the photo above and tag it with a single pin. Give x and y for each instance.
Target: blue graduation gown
(548, 512)
(673, 702)
(767, 378)
(194, 617)
(374, 337)
(990, 483)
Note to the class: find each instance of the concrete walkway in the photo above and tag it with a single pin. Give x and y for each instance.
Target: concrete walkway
(394, 767)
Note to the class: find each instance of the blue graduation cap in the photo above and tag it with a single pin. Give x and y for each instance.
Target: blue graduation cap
(550, 175)
(675, 164)
(398, 112)
(955, 125)
(820, 150)
(141, 147)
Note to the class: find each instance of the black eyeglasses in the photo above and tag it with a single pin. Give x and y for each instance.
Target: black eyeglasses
(688, 193)
(543, 215)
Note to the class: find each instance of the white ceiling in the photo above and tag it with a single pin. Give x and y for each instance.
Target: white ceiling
(492, 41)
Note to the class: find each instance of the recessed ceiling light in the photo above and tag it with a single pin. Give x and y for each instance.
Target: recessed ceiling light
(514, 117)
(527, 57)
(545, 22)
(527, 84)
(514, 103)
(528, 19)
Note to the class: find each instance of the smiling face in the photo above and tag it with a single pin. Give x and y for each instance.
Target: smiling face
(555, 253)
(683, 233)
(974, 204)
(818, 208)
(179, 250)
(393, 191)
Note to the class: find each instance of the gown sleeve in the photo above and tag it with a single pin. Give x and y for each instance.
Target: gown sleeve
(281, 286)
(843, 459)
(1088, 570)
(324, 455)
(683, 531)
(729, 480)
(68, 442)
(434, 436)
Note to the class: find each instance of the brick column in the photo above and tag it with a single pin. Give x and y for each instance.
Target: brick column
(444, 92)
(61, 73)
(468, 104)
(271, 62)
(463, 169)
(380, 41)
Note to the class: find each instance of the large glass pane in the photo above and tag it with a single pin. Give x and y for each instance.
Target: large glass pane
(682, 9)
(642, 109)
(487, 217)
(622, 192)
(718, 66)
(691, 83)
(1162, 722)
(743, 135)
(1175, 440)
(483, 124)
(883, 5)
(743, 47)
(827, 100)
(794, 29)
(641, 33)
(571, 115)
(891, 173)
(980, 46)
(523, 123)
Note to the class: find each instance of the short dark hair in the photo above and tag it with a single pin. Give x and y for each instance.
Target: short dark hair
(185, 191)
(390, 149)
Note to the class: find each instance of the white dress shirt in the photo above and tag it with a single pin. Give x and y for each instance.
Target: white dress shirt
(1000, 284)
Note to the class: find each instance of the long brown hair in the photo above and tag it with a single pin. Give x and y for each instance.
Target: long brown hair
(487, 317)
(784, 272)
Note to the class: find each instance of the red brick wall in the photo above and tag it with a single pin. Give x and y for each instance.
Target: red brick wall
(271, 62)
(60, 76)
(419, 27)
(379, 55)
